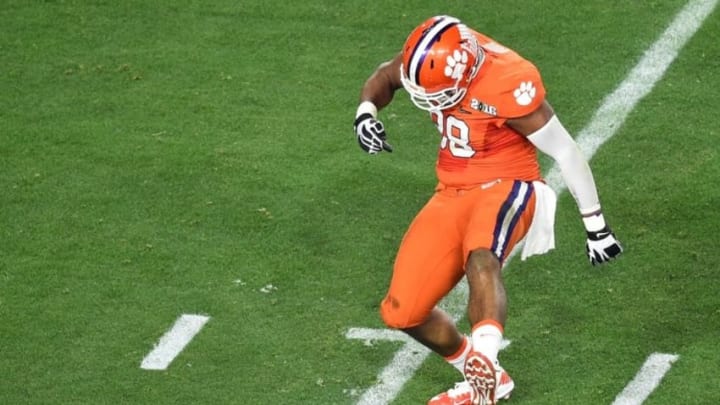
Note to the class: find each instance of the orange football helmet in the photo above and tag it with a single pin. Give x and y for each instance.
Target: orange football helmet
(440, 58)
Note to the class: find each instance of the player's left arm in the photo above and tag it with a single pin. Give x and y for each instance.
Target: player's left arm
(543, 128)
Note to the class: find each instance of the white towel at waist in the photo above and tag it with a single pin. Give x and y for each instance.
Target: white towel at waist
(541, 235)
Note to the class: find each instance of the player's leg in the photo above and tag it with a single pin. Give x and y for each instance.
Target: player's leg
(502, 218)
(487, 310)
(428, 265)
(487, 300)
(438, 333)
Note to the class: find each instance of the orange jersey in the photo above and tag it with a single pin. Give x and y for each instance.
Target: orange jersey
(477, 146)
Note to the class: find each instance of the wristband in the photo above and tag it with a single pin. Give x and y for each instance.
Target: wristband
(594, 223)
(366, 107)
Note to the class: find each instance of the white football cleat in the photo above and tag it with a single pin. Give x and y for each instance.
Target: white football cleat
(458, 395)
(462, 393)
(505, 384)
(488, 382)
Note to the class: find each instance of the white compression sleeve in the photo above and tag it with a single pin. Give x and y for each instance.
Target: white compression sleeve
(554, 140)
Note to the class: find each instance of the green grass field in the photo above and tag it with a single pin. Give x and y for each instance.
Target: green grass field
(178, 157)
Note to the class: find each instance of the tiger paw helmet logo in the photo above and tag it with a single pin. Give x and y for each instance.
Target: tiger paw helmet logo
(525, 94)
(456, 64)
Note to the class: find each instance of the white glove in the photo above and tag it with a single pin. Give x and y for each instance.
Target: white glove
(601, 245)
(371, 134)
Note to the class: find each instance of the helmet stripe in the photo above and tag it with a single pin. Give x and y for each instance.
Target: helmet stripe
(429, 37)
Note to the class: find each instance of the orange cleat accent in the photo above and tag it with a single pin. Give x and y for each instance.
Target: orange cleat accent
(488, 382)
(463, 392)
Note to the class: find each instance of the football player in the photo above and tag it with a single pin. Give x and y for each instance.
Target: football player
(489, 105)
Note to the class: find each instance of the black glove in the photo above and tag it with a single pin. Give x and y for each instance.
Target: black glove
(371, 134)
(601, 246)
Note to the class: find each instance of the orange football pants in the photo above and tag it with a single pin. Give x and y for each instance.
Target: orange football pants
(432, 255)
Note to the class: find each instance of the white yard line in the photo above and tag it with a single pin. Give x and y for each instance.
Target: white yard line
(370, 336)
(607, 120)
(646, 380)
(174, 341)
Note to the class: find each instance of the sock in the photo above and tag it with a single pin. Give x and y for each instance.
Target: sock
(486, 338)
(457, 359)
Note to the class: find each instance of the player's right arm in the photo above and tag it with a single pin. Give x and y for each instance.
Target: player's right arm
(380, 87)
(376, 93)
